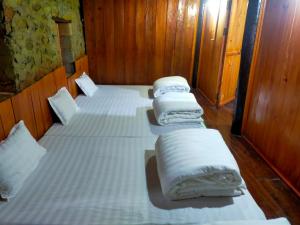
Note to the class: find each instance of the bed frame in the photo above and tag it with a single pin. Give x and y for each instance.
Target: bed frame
(31, 104)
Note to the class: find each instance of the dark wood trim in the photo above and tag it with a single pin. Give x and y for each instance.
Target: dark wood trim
(198, 44)
(246, 60)
(60, 20)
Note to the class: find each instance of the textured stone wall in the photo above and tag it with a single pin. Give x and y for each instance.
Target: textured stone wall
(31, 38)
(6, 70)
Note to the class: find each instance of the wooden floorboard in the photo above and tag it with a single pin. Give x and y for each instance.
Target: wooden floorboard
(274, 197)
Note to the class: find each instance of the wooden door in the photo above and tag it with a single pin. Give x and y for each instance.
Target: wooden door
(272, 114)
(215, 20)
(232, 58)
(138, 41)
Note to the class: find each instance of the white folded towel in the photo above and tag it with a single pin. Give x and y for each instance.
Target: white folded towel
(174, 107)
(196, 162)
(170, 84)
(279, 221)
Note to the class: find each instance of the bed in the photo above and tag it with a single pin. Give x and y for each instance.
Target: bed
(116, 111)
(101, 169)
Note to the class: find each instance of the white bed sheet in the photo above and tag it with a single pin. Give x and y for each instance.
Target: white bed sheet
(116, 111)
(100, 180)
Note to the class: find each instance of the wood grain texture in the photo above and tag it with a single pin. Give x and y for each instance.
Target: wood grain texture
(73, 88)
(212, 48)
(230, 74)
(47, 88)
(23, 110)
(237, 25)
(272, 195)
(7, 118)
(82, 65)
(60, 78)
(232, 58)
(271, 121)
(34, 91)
(138, 41)
(31, 105)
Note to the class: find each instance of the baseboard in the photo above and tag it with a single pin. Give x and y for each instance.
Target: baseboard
(270, 164)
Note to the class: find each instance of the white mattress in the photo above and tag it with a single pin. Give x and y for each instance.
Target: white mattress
(118, 111)
(100, 180)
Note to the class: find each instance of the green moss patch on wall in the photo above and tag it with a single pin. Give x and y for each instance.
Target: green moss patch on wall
(6, 70)
(31, 37)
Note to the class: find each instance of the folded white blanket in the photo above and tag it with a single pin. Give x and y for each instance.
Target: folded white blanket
(170, 84)
(279, 221)
(174, 107)
(196, 162)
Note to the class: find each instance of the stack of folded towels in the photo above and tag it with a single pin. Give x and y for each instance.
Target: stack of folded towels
(173, 103)
(196, 162)
(170, 84)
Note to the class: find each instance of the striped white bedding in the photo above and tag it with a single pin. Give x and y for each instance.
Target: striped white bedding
(118, 111)
(101, 169)
(197, 162)
(100, 180)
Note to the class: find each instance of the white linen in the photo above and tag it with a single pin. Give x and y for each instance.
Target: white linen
(107, 180)
(119, 111)
(19, 156)
(172, 108)
(196, 162)
(170, 84)
(279, 221)
(63, 105)
(86, 84)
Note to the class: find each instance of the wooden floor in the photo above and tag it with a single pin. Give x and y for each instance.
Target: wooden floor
(270, 193)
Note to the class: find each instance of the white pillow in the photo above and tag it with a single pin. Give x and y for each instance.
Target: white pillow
(63, 105)
(86, 84)
(19, 156)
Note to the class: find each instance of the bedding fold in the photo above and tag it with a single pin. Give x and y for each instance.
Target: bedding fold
(170, 84)
(196, 162)
(173, 108)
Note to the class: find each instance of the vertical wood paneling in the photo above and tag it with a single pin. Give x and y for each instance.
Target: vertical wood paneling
(89, 31)
(150, 30)
(23, 110)
(119, 24)
(230, 78)
(60, 78)
(271, 121)
(160, 37)
(31, 105)
(231, 66)
(7, 119)
(211, 50)
(130, 41)
(37, 109)
(98, 54)
(140, 37)
(138, 41)
(171, 27)
(47, 88)
(109, 32)
(178, 50)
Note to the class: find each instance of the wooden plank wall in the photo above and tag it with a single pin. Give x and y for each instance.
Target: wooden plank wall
(211, 49)
(234, 44)
(138, 41)
(217, 75)
(31, 105)
(272, 115)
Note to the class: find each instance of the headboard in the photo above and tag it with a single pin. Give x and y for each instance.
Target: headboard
(31, 105)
